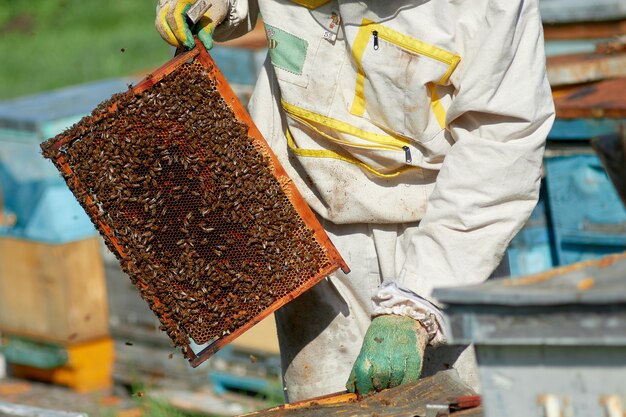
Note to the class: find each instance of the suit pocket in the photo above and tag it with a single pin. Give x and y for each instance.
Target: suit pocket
(397, 81)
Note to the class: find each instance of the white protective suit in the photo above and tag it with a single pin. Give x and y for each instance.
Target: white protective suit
(415, 130)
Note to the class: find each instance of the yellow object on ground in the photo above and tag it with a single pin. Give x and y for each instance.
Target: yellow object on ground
(89, 367)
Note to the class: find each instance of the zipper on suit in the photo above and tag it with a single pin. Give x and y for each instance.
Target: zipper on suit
(407, 154)
(377, 31)
(418, 47)
(371, 30)
(377, 141)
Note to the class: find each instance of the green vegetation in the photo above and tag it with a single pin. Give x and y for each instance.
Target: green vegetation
(273, 395)
(46, 44)
(159, 408)
(149, 406)
(153, 408)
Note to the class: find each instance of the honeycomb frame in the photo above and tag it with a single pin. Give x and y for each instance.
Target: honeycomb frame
(219, 263)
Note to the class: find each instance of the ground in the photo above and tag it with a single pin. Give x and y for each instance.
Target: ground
(129, 401)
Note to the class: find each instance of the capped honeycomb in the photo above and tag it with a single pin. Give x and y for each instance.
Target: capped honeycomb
(191, 205)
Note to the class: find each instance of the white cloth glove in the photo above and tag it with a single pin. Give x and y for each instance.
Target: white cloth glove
(240, 20)
(391, 299)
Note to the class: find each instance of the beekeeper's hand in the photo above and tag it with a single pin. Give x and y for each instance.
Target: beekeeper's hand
(391, 355)
(171, 22)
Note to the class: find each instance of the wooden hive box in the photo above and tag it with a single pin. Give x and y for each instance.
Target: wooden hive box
(54, 293)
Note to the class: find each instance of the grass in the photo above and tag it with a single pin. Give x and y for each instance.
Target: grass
(158, 408)
(273, 395)
(150, 406)
(46, 44)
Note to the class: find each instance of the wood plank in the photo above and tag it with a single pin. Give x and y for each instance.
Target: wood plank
(408, 400)
(586, 30)
(585, 67)
(53, 292)
(473, 412)
(606, 99)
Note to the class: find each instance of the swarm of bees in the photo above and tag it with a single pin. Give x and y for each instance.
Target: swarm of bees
(199, 222)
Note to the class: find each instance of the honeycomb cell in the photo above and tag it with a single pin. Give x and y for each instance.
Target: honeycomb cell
(189, 204)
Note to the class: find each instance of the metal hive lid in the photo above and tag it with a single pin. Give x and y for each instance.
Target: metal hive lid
(596, 282)
(30, 112)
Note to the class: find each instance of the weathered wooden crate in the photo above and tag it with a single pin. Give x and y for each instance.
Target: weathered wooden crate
(54, 293)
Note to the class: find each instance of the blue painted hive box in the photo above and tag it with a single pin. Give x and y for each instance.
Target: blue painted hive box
(33, 194)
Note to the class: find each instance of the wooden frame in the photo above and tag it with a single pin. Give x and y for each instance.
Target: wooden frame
(201, 55)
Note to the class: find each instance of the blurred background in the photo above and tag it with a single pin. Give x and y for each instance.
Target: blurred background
(76, 336)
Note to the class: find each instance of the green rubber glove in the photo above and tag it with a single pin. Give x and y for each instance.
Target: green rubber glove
(171, 22)
(391, 355)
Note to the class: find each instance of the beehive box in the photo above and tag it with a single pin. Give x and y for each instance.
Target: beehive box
(194, 204)
(84, 367)
(549, 344)
(53, 293)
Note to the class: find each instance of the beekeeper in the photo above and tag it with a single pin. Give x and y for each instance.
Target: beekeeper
(415, 130)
